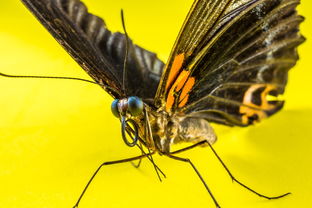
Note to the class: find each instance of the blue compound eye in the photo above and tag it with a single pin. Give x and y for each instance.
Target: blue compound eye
(135, 105)
(114, 108)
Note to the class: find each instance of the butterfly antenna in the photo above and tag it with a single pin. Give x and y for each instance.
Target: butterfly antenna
(124, 72)
(106, 87)
(47, 77)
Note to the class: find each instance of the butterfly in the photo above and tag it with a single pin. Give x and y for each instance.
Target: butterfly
(229, 65)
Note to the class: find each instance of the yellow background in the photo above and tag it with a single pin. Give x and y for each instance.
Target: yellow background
(55, 133)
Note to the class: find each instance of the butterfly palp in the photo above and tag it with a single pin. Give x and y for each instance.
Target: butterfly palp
(129, 127)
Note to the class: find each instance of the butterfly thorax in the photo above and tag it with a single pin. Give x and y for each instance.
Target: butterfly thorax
(177, 128)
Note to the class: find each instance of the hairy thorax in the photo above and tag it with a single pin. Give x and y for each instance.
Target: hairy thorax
(168, 130)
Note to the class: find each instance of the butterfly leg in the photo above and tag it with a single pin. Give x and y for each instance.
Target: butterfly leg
(240, 183)
(157, 169)
(148, 134)
(132, 132)
(188, 148)
(150, 158)
(138, 164)
(105, 164)
(140, 160)
(198, 174)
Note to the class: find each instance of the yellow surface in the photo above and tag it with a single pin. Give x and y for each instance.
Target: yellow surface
(55, 133)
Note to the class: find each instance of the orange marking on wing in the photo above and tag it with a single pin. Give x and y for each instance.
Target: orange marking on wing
(184, 83)
(170, 101)
(175, 68)
(181, 80)
(248, 108)
(187, 88)
(177, 85)
(183, 101)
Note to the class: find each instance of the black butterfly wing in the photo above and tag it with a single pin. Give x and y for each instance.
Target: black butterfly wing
(229, 57)
(97, 50)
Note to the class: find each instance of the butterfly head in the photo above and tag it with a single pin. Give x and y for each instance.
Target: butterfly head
(127, 110)
(129, 107)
